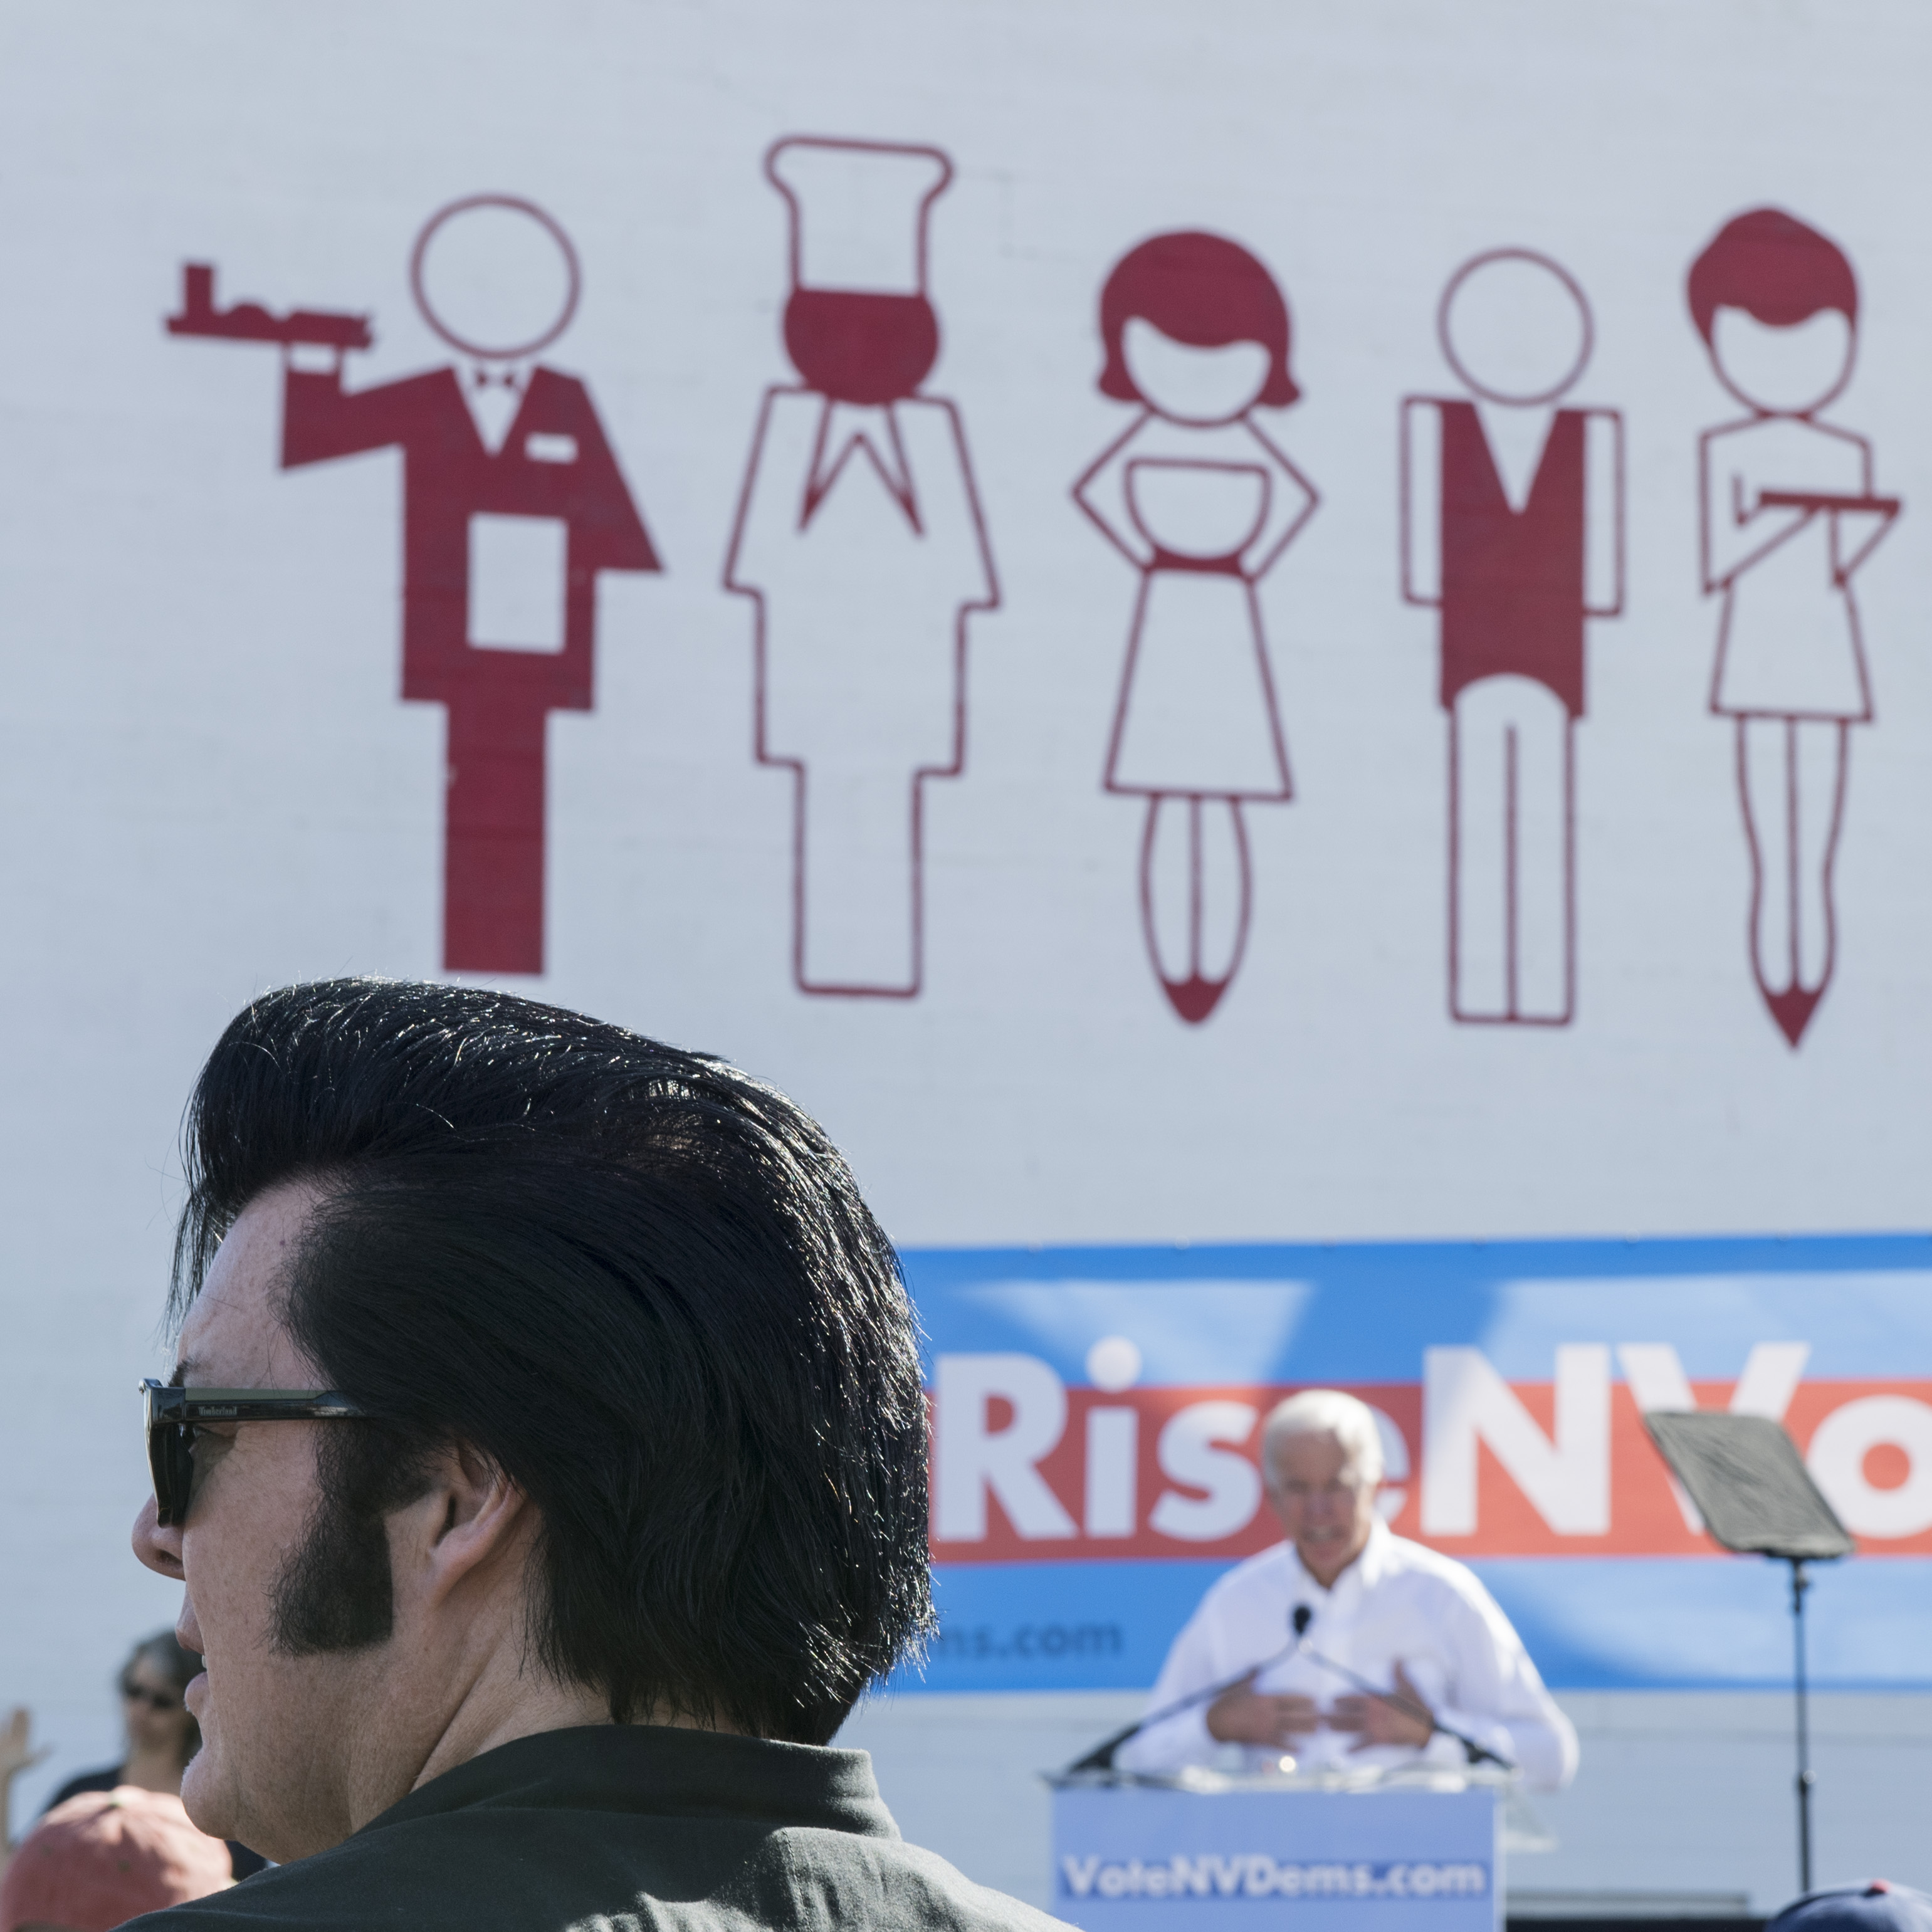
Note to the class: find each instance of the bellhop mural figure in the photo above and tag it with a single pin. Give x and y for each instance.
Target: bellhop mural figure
(1513, 529)
(513, 502)
(859, 534)
(1203, 504)
(1789, 515)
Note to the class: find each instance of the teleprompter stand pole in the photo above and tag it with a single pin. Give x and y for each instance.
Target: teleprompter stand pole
(1800, 1583)
(1755, 1496)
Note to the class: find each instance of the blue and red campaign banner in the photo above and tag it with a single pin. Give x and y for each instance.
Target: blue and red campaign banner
(1097, 1414)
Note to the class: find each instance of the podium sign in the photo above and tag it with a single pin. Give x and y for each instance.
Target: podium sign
(1239, 1856)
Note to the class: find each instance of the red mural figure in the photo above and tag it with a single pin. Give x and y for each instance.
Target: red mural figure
(1202, 503)
(859, 534)
(1512, 513)
(512, 502)
(1789, 513)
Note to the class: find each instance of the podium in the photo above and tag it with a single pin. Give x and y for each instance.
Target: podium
(1414, 1850)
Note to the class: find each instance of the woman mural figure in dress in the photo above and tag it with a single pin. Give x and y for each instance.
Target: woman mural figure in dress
(1790, 515)
(1202, 504)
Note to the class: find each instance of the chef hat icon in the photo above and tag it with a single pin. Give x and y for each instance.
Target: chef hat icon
(858, 326)
(858, 212)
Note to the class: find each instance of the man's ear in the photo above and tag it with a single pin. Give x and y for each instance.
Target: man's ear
(470, 1518)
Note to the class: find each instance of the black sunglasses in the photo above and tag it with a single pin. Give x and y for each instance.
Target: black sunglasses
(171, 1414)
(155, 1700)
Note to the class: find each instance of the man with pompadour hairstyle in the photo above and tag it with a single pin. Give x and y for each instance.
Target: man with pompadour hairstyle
(596, 1494)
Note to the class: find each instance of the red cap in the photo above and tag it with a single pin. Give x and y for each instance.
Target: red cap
(107, 1856)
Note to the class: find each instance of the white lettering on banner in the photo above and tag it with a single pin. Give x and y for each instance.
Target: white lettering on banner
(969, 1459)
(1566, 1480)
(1658, 1384)
(1839, 1447)
(1077, 1875)
(1257, 1875)
(1113, 1454)
(1391, 1497)
(1189, 1454)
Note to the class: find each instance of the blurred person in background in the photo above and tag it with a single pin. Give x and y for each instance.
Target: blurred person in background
(16, 1754)
(97, 1859)
(162, 1735)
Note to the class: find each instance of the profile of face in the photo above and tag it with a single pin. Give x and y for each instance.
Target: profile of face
(156, 1719)
(1515, 327)
(255, 1493)
(1791, 370)
(495, 276)
(1197, 387)
(1326, 1505)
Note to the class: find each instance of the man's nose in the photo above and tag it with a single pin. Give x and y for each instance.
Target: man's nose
(159, 1549)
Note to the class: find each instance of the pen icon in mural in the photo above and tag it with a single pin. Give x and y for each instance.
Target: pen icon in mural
(1512, 515)
(1789, 514)
(859, 536)
(512, 502)
(1201, 503)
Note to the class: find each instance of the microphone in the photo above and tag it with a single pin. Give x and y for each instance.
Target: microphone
(1302, 1616)
(1101, 1757)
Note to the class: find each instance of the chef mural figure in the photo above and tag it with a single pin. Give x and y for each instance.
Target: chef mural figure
(1790, 515)
(1512, 529)
(512, 503)
(860, 537)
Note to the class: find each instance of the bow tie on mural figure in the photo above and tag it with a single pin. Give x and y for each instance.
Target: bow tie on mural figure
(495, 393)
(859, 536)
(513, 502)
(1512, 529)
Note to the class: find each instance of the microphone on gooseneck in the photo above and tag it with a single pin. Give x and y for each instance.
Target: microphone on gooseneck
(1302, 1616)
(1101, 1757)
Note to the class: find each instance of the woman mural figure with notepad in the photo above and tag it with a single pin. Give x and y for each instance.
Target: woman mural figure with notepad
(1789, 514)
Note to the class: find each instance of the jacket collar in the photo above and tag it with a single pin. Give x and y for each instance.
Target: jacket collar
(656, 1770)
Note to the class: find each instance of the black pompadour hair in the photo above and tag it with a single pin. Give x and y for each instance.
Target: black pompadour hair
(641, 1283)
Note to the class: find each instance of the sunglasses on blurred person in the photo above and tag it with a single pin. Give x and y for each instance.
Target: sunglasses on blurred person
(133, 1693)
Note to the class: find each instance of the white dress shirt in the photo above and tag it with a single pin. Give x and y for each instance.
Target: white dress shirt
(1397, 1602)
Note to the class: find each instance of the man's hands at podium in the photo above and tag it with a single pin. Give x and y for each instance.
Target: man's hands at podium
(1245, 1717)
(1274, 1720)
(1383, 1720)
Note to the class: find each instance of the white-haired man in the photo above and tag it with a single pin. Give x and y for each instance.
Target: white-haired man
(1399, 1615)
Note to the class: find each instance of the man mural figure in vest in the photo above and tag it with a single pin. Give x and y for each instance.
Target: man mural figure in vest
(860, 535)
(1513, 529)
(512, 503)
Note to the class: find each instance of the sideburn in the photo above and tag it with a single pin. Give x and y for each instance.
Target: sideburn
(337, 1592)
